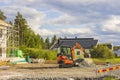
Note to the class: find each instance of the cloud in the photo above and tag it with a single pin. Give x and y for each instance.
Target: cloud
(112, 25)
(35, 18)
(76, 31)
(68, 32)
(45, 32)
(86, 18)
(62, 20)
(86, 11)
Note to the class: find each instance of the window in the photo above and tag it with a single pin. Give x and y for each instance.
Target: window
(0, 33)
(78, 52)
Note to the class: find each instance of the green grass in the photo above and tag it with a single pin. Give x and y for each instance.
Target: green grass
(109, 78)
(103, 61)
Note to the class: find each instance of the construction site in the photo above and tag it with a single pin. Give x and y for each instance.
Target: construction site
(13, 66)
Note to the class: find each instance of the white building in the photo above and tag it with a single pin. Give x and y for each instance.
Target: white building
(117, 53)
(3, 38)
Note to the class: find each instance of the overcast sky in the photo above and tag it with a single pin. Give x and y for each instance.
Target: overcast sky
(99, 19)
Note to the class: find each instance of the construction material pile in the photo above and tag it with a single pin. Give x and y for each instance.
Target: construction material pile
(86, 62)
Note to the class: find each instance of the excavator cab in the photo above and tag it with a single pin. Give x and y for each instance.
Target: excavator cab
(65, 58)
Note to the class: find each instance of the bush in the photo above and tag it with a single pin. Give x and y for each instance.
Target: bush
(101, 51)
(39, 53)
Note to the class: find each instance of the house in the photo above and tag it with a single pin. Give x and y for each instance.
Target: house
(85, 43)
(117, 53)
(3, 38)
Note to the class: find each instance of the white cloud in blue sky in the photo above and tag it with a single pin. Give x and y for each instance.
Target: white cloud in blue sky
(83, 18)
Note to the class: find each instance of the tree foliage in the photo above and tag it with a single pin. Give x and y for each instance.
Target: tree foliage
(10, 22)
(2, 16)
(102, 51)
(47, 42)
(21, 26)
(54, 39)
(116, 47)
(27, 37)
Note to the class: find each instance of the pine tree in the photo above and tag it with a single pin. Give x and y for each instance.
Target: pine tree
(38, 41)
(30, 38)
(42, 43)
(54, 39)
(20, 24)
(2, 16)
(10, 22)
(47, 42)
(27, 36)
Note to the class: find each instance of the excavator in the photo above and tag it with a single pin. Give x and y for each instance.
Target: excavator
(67, 56)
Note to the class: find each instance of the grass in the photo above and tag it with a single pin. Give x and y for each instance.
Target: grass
(51, 62)
(109, 78)
(103, 60)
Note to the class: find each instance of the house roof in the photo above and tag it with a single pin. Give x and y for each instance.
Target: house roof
(86, 43)
(4, 24)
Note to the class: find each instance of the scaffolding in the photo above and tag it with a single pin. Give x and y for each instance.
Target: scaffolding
(12, 40)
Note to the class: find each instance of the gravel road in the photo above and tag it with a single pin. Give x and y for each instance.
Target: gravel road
(30, 71)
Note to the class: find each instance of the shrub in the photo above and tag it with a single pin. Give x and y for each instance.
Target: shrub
(101, 51)
(39, 53)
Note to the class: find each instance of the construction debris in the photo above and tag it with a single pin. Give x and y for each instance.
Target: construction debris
(37, 60)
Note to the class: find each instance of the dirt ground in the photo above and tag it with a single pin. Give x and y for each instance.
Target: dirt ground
(47, 71)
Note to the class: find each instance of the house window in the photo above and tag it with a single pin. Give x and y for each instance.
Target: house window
(0, 33)
(78, 52)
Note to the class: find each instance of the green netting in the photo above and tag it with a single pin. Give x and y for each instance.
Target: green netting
(16, 53)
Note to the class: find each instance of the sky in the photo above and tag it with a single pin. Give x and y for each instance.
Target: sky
(99, 19)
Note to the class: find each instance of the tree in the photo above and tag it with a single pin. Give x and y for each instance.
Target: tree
(10, 22)
(116, 47)
(38, 43)
(27, 37)
(2, 16)
(42, 43)
(101, 51)
(54, 39)
(47, 42)
(30, 38)
(21, 26)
